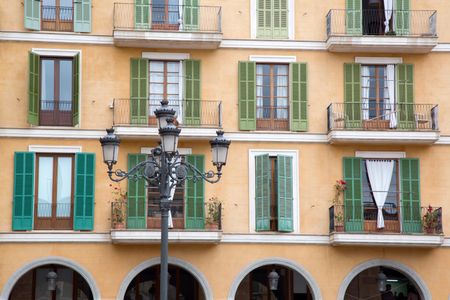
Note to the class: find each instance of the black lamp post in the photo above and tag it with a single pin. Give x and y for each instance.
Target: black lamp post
(164, 168)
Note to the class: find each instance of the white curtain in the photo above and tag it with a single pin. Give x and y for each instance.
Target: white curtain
(365, 90)
(172, 192)
(390, 70)
(388, 7)
(380, 175)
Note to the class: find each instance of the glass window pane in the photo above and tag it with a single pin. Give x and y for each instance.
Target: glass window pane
(64, 284)
(45, 187)
(41, 290)
(156, 66)
(156, 77)
(172, 89)
(64, 188)
(156, 88)
(173, 67)
(65, 85)
(47, 84)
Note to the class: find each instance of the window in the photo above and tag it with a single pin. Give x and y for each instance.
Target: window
(273, 198)
(391, 184)
(165, 14)
(273, 96)
(188, 209)
(53, 90)
(58, 15)
(273, 19)
(54, 192)
(272, 88)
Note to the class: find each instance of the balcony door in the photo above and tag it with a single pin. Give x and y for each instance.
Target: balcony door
(166, 14)
(164, 84)
(57, 15)
(272, 97)
(54, 192)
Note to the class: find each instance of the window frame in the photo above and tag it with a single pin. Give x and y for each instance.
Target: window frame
(295, 190)
(57, 21)
(254, 19)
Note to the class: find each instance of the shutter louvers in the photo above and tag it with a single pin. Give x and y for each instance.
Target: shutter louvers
(410, 195)
(23, 197)
(352, 95)
(139, 91)
(299, 97)
(32, 14)
(136, 208)
(247, 95)
(84, 191)
(192, 101)
(402, 17)
(405, 96)
(353, 208)
(33, 89)
(76, 90)
(285, 193)
(82, 16)
(194, 196)
(353, 17)
(142, 14)
(191, 15)
(262, 192)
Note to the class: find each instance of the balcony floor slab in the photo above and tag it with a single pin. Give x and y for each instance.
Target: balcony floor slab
(385, 240)
(382, 137)
(154, 237)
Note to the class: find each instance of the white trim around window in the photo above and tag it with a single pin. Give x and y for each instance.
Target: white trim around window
(380, 154)
(54, 149)
(273, 59)
(165, 56)
(251, 184)
(379, 60)
(254, 19)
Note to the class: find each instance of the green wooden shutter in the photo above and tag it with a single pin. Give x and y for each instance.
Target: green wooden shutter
(299, 97)
(247, 95)
(402, 17)
(264, 19)
(353, 17)
(139, 91)
(32, 14)
(76, 89)
(191, 15)
(410, 194)
(142, 14)
(353, 208)
(280, 19)
(33, 88)
(192, 101)
(136, 217)
(82, 16)
(285, 193)
(23, 197)
(352, 95)
(194, 196)
(262, 192)
(83, 218)
(405, 96)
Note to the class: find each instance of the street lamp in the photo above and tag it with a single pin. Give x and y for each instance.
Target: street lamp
(164, 168)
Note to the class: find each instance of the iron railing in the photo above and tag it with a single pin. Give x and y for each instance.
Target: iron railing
(56, 113)
(57, 18)
(429, 219)
(182, 18)
(272, 117)
(58, 210)
(119, 211)
(189, 113)
(411, 23)
(373, 115)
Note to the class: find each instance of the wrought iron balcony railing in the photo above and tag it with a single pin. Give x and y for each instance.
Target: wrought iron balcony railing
(183, 18)
(189, 113)
(373, 115)
(120, 210)
(409, 23)
(427, 220)
(57, 18)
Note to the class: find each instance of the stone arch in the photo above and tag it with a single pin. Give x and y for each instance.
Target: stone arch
(275, 261)
(173, 261)
(9, 285)
(407, 271)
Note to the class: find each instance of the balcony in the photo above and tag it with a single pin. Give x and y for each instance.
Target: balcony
(411, 31)
(57, 18)
(382, 123)
(149, 232)
(167, 26)
(199, 119)
(424, 231)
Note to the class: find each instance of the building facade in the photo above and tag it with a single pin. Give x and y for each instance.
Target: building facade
(337, 115)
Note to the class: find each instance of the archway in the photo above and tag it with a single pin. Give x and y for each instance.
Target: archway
(68, 273)
(383, 279)
(293, 281)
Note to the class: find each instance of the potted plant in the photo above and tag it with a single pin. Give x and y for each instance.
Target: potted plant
(430, 219)
(118, 207)
(213, 208)
(339, 187)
